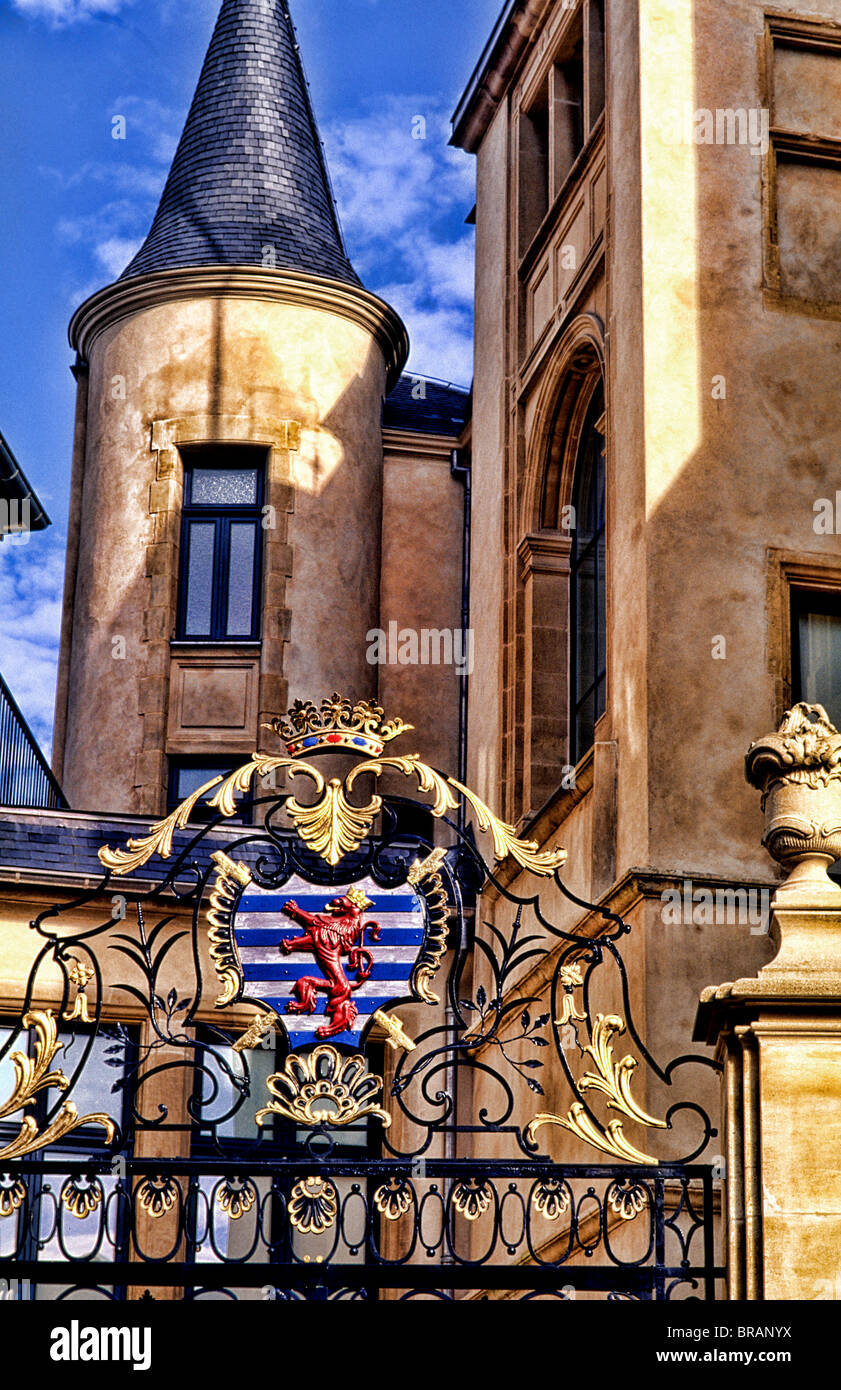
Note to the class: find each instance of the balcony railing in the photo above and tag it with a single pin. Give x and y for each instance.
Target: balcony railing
(25, 776)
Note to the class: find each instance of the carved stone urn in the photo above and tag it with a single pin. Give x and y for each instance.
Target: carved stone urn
(798, 771)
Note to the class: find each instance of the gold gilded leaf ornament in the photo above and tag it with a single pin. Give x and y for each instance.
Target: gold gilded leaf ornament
(525, 852)
(614, 1078)
(323, 1087)
(609, 1140)
(333, 827)
(428, 779)
(158, 841)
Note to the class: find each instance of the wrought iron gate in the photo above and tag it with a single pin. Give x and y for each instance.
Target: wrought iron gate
(240, 1113)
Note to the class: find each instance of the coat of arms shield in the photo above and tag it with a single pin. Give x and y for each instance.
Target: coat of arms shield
(325, 960)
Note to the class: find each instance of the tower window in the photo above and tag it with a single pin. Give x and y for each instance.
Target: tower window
(186, 775)
(588, 611)
(219, 588)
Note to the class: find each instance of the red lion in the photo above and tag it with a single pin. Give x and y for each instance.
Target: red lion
(337, 932)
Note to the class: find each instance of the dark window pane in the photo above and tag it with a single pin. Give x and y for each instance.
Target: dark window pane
(186, 777)
(601, 641)
(600, 699)
(241, 579)
(224, 487)
(190, 777)
(200, 539)
(92, 1088)
(585, 724)
(820, 660)
(585, 633)
(587, 584)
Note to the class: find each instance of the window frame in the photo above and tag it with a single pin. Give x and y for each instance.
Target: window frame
(547, 161)
(224, 458)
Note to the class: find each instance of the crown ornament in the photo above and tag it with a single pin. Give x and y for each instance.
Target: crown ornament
(359, 727)
(359, 899)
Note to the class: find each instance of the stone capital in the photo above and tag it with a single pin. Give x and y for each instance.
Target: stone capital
(544, 552)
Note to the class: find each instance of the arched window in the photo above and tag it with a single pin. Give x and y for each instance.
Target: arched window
(588, 659)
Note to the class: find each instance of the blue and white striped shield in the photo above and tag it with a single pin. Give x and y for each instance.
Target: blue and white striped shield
(322, 961)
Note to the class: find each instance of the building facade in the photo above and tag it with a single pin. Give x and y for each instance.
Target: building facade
(654, 428)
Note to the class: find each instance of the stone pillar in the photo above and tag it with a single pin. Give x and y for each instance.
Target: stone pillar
(544, 570)
(778, 1036)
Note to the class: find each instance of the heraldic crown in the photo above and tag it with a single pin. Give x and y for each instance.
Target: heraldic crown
(358, 898)
(359, 727)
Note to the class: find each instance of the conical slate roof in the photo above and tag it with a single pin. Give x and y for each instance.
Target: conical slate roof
(249, 171)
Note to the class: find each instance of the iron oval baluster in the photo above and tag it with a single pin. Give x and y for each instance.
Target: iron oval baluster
(433, 1198)
(233, 1226)
(407, 1224)
(567, 1199)
(47, 1196)
(589, 1247)
(635, 1224)
(118, 1209)
(353, 1198)
(515, 1198)
(175, 1214)
(484, 1187)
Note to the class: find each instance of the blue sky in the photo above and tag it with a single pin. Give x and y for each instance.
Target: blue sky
(77, 204)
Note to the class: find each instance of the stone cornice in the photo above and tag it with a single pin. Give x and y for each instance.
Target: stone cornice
(126, 297)
(397, 443)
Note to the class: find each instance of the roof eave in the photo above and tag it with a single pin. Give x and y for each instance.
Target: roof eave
(512, 34)
(13, 476)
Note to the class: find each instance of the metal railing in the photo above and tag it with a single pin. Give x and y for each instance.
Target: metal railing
(25, 776)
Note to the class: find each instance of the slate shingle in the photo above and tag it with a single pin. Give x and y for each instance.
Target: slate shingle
(249, 171)
(432, 407)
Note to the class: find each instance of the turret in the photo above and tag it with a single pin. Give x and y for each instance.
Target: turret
(227, 480)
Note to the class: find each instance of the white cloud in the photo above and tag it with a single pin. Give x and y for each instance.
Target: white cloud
(31, 587)
(442, 337)
(387, 181)
(445, 268)
(60, 12)
(110, 235)
(403, 202)
(131, 179)
(115, 253)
